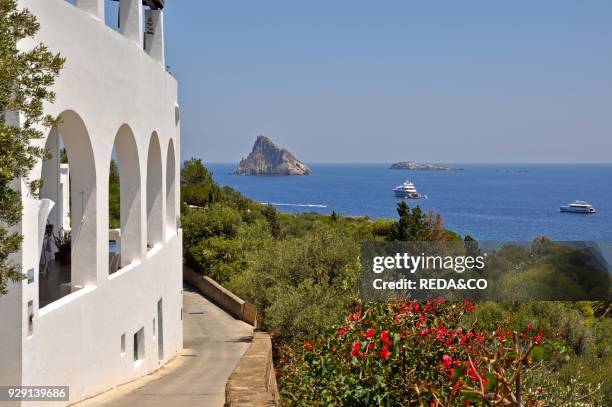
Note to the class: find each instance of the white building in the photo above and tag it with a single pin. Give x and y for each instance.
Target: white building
(81, 325)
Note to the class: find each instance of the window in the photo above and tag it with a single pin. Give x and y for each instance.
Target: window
(123, 345)
(139, 352)
(30, 318)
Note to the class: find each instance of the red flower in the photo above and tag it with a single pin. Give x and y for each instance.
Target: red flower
(309, 345)
(425, 332)
(384, 338)
(370, 333)
(473, 375)
(468, 306)
(384, 353)
(355, 351)
(457, 385)
(343, 330)
(356, 316)
(529, 326)
(447, 361)
(440, 333)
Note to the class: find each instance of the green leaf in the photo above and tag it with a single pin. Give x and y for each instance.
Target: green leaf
(459, 373)
(470, 395)
(537, 353)
(492, 382)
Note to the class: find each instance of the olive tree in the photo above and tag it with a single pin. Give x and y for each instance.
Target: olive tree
(26, 78)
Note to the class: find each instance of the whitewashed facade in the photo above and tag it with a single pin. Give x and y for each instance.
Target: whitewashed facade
(104, 328)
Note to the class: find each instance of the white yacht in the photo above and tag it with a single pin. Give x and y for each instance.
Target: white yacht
(578, 207)
(407, 190)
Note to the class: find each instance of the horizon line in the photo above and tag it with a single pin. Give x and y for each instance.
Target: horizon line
(441, 162)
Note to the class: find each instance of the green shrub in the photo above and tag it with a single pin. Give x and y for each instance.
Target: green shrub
(300, 284)
(217, 257)
(593, 365)
(216, 220)
(410, 353)
(558, 392)
(587, 340)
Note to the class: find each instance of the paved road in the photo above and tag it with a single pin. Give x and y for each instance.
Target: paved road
(213, 343)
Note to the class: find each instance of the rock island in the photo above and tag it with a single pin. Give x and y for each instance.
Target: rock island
(267, 158)
(411, 165)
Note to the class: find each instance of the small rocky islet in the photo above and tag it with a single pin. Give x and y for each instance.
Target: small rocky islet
(411, 165)
(267, 158)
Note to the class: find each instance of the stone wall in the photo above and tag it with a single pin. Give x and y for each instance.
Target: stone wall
(253, 381)
(215, 292)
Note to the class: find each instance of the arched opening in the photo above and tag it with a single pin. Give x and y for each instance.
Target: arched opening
(69, 256)
(155, 215)
(125, 231)
(171, 190)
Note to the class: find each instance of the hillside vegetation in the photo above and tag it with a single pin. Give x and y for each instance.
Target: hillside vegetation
(302, 270)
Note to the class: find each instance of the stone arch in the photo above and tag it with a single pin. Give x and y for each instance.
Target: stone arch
(130, 242)
(82, 200)
(155, 215)
(171, 189)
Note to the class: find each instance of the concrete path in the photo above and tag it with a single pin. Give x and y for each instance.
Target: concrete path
(213, 343)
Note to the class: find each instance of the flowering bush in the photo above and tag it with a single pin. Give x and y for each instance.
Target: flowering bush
(412, 353)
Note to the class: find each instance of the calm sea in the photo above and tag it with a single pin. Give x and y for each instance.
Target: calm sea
(487, 201)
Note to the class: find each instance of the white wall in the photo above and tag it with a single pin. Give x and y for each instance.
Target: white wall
(108, 81)
(77, 339)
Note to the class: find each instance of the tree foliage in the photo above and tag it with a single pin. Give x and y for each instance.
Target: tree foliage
(273, 219)
(197, 185)
(114, 196)
(26, 78)
(411, 226)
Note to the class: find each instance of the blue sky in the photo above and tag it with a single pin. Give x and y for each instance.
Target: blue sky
(365, 81)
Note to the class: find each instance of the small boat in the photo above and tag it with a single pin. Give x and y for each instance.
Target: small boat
(407, 191)
(578, 207)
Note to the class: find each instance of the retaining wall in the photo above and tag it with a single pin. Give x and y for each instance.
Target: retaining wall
(215, 292)
(253, 381)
